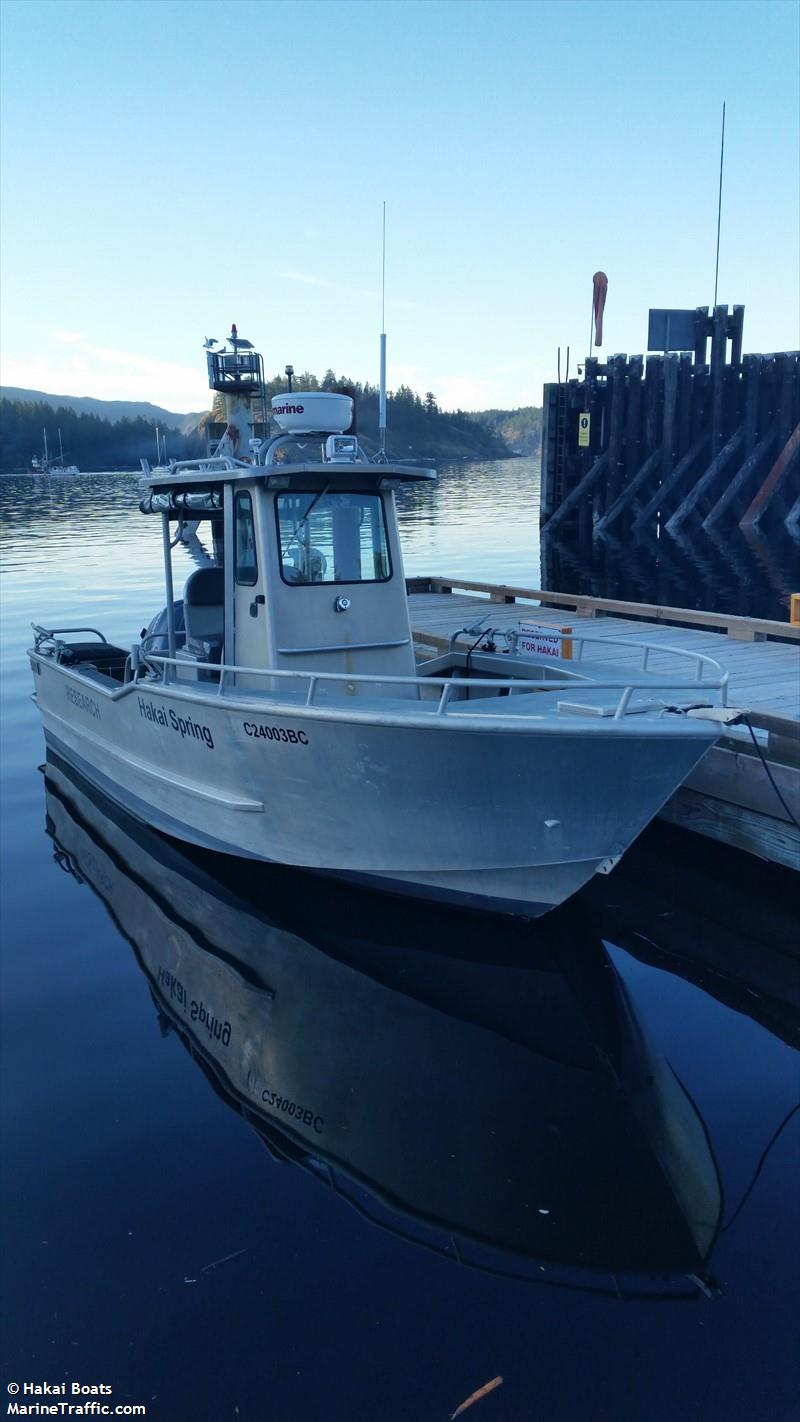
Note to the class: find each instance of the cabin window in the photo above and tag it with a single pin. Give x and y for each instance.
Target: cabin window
(332, 538)
(246, 561)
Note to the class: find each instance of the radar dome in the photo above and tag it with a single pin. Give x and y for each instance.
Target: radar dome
(312, 412)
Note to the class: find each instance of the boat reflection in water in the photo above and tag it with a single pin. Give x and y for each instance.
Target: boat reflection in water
(480, 1088)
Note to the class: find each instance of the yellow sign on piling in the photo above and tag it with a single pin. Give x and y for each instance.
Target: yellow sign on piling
(794, 609)
(584, 431)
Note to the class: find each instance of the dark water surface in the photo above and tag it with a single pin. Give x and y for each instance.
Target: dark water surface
(273, 1149)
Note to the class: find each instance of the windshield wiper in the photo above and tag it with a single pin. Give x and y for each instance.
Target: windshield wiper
(306, 516)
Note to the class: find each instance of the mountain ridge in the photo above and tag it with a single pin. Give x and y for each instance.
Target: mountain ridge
(111, 410)
(102, 434)
(520, 426)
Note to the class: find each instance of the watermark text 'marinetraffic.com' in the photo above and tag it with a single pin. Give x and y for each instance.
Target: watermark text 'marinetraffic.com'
(46, 1399)
(61, 1408)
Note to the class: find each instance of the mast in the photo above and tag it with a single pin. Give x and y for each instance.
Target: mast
(719, 203)
(382, 396)
(237, 372)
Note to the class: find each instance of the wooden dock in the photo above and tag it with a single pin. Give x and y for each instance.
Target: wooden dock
(730, 796)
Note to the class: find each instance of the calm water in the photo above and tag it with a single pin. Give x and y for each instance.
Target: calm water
(276, 1150)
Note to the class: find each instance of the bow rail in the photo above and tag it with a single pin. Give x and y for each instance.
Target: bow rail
(624, 686)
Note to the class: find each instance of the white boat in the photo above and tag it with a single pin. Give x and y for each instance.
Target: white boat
(277, 711)
(45, 463)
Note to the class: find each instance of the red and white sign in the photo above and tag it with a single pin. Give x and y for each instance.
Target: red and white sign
(538, 641)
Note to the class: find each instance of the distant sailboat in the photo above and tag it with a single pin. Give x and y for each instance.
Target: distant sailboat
(44, 464)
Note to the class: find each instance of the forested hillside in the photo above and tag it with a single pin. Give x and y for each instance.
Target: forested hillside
(520, 429)
(88, 441)
(416, 428)
(113, 410)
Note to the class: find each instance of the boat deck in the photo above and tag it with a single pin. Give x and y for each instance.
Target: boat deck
(729, 797)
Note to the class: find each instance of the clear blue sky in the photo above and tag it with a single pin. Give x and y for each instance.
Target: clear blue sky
(170, 166)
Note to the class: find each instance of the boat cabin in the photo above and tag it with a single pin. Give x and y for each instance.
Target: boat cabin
(307, 572)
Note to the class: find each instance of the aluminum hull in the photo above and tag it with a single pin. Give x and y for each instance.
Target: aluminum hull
(513, 814)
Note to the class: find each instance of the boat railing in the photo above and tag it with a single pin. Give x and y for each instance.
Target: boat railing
(646, 648)
(623, 688)
(214, 464)
(41, 635)
(578, 641)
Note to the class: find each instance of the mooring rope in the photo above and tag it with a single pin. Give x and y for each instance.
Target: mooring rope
(791, 820)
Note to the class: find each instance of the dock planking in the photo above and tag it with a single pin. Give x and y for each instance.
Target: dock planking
(729, 797)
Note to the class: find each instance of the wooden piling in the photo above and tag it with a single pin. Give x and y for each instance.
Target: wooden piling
(724, 458)
(572, 500)
(712, 426)
(751, 376)
(756, 458)
(661, 497)
(737, 335)
(668, 424)
(777, 474)
(615, 471)
(633, 425)
(639, 480)
(719, 343)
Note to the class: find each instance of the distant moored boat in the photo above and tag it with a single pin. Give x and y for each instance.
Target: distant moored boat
(45, 464)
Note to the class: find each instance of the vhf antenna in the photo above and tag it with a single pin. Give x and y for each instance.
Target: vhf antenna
(382, 396)
(719, 204)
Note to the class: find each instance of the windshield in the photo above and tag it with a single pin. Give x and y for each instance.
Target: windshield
(332, 538)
